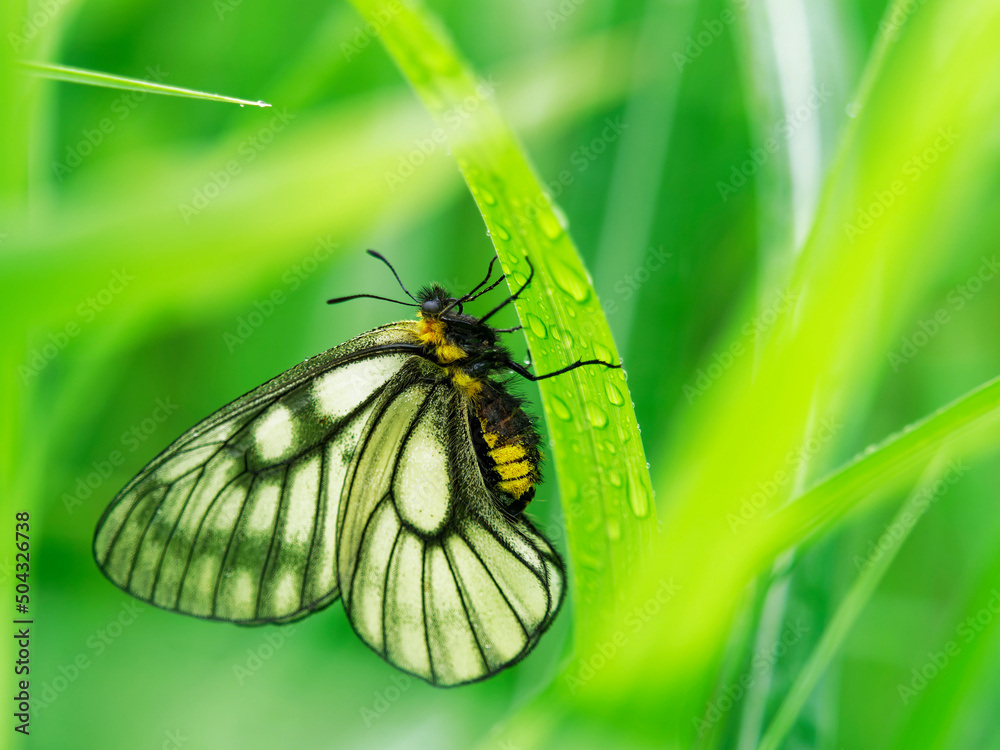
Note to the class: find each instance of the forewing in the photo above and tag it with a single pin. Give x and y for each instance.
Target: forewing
(433, 576)
(236, 520)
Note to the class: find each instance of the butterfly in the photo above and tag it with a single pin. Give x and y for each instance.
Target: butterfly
(391, 472)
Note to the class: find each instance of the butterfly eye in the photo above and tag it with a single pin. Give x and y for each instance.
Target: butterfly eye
(431, 306)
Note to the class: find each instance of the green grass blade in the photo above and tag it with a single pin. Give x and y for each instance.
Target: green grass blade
(67, 74)
(850, 608)
(964, 426)
(598, 455)
(852, 291)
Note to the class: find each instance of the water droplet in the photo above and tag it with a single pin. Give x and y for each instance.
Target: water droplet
(536, 325)
(638, 499)
(568, 341)
(569, 279)
(614, 478)
(614, 528)
(596, 415)
(602, 353)
(614, 395)
(610, 447)
(550, 224)
(488, 198)
(518, 278)
(560, 215)
(502, 232)
(571, 490)
(560, 409)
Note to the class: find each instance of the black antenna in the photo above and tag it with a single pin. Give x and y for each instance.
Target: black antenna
(490, 288)
(489, 272)
(381, 257)
(512, 297)
(471, 294)
(337, 300)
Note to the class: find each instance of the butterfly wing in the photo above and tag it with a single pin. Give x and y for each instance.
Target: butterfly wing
(236, 519)
(433, 577)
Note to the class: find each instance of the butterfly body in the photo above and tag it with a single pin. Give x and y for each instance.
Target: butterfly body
(507, 445)
(390, 472)
(504, 436)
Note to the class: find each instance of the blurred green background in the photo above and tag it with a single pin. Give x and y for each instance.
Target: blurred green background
(160, 256)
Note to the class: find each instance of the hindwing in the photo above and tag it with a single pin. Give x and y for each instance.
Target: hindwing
(433, 576)
(236, 519)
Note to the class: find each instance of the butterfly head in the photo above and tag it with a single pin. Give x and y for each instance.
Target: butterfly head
(447, 331)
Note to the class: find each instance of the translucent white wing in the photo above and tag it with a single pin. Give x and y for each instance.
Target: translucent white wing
(236, 520)
(433, 577)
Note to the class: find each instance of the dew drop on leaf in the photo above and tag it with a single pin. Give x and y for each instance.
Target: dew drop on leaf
(638, 499)
(568, 279)
(614, 395)
(536, 325)
(550, 225)
(560, 409)
(614, 528)
(597, 416)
